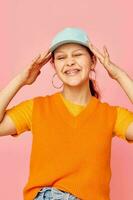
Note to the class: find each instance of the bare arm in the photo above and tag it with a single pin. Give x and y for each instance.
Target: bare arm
(126, 83)
(119, 75)
(26, 77)
(8, 93)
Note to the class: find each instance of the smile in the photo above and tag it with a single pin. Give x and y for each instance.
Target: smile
(72, 72)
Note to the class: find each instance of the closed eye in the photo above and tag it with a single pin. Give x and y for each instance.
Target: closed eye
(60, 58)
(78, 54)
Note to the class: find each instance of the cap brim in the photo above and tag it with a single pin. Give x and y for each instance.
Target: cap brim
(52, 48)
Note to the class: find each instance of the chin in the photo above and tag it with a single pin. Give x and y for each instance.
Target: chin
(73, 83)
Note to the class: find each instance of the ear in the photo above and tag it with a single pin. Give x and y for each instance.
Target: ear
(94, 62)
(52, 62)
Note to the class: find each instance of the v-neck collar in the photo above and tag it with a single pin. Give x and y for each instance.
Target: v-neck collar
(78, 120)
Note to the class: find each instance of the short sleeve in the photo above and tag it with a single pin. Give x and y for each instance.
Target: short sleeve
(123, 120)
(21, 115)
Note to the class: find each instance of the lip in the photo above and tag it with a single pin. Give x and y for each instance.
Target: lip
(71, 69)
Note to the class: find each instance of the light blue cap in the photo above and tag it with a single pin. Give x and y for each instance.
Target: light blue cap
(69, 35)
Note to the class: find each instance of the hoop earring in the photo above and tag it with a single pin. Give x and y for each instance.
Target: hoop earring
(53, 82)
(93, 77)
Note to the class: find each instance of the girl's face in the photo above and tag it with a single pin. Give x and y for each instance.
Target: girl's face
(72, 63)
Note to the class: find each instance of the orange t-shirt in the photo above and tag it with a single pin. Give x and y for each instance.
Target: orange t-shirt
(71, 144)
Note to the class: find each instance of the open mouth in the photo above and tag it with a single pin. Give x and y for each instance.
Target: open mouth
(72, 72)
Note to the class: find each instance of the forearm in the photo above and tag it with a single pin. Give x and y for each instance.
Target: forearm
(126, 83)
(8, 93)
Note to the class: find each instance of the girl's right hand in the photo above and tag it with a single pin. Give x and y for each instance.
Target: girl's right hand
(30, 73)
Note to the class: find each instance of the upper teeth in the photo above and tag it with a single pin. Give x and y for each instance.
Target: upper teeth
(71, 70)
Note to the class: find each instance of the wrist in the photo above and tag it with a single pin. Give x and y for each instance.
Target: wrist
(19, 80)
(120, 75)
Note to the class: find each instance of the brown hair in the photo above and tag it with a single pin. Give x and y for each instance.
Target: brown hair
(92, 83)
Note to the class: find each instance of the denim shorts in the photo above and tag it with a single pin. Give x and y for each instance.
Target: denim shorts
(51, 193)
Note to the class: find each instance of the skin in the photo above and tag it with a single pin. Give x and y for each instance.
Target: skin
(76, 88)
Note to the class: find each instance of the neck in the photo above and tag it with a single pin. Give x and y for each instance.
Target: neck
(78, 95)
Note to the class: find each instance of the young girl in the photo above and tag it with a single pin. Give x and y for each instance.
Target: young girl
(72, 130)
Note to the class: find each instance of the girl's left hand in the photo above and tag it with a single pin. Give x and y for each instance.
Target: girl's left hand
(104, 59)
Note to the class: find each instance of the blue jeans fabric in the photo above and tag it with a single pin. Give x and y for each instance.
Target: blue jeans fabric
(51, 193)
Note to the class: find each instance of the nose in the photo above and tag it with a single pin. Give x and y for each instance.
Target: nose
(70, 62)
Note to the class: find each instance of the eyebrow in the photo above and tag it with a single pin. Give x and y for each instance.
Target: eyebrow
(64, 52)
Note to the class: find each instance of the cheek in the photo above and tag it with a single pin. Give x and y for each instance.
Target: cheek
(83, 60)
(85, 64)
(57, 67)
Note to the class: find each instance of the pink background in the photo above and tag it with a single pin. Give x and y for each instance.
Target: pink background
(27, 28)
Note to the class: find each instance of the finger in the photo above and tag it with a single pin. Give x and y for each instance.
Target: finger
(46, 52)
(106, 51)
(44, 57)
(93, 47)
(44, 62)
(90, 44)
(33, 63)
(95, 51)
(36, 58)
